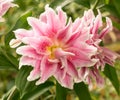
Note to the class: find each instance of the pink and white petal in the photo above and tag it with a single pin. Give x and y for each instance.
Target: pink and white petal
(38, 27)
(62, 16)
(21, 33)
(97, 23)
(5, 5)
(43, 17)
(61, 53)
(35, 73)
(97, 77)
(72, 70)
(25, 60)
(73, 39)
(89, 16)
(107, 29)
(39, 44)
(15, 43)
(52, 19)
(47, 70)
(28, 51)
(76, 24)
(83, 73)
(84, 47)
(64, 34)
(66, 82)
(110, 54)
(81, 59)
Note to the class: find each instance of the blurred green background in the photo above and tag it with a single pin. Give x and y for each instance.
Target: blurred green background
(74, 9)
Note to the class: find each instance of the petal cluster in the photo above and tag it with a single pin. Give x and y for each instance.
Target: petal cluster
(69, 51)
(4, 6)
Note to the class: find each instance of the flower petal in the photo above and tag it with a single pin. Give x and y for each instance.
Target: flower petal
(21, 33)
(35, 73)
(14, 43)
(39, 44)
(38, 27)
(28, 51)
(47, 70)
(25, 60)
(107, 29)
(97, 23)
(81, 59)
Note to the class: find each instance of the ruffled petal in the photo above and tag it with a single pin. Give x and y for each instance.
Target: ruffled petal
(35, 73)
(107, 29)
(28, 51)
(47, 70)
(38, 27)
(39, 44)
(21, 33)
(25, 60)
(81, 58)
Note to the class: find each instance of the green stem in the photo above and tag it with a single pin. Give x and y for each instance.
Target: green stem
(5, 54)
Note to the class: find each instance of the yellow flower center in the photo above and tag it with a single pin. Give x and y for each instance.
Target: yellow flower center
(51, 50)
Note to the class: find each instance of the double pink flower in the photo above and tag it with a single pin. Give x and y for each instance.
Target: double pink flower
(68, 51)
(4, 6)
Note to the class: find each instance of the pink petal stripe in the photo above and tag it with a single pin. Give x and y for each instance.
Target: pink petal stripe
(35, 73)
(25, 60)
(107, 29)
(38, 26)
(21, 33)
(28, 51)
(39, 44)
(47, 70)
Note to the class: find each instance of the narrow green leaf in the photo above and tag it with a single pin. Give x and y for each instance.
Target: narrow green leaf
(55, 3)
(117, 5)
(116, 24)
(61, 92)
(20, 23)
(21, 79)
(37, 91)
(111, 8)
(7, 61)
(110, 72)
(85, 3)
(28, 90)
(12, 94)
(82, 91)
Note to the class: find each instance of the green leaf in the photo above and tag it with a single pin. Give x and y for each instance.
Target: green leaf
(7, 61)
(20, 23)
(28, 90)
(117, 5)
(55, 3)
(82, 91)
(116, 24)
(111, 8)
(12, 94)
(62, 3)
(110, 72)
(61, 92)
(85, 3)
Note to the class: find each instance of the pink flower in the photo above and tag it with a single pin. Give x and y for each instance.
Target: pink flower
(54, 47)
(69, 51)
(104, 55)
(4, 6)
